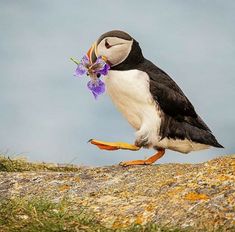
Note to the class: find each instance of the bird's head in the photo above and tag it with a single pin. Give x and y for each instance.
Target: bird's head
(117, 47)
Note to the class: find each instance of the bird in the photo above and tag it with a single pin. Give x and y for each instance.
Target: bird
(151, 101)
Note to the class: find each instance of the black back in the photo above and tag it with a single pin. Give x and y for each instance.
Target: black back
(179, 118)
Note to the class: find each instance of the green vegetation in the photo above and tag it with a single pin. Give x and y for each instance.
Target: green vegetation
(8, 164)
(25, 215)
(42, 215)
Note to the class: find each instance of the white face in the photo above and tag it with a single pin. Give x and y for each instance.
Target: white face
(116, 50)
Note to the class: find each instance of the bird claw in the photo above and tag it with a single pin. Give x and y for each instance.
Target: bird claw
(134, 162)
(123, 164)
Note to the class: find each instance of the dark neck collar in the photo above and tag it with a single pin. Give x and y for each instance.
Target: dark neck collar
(133, 60)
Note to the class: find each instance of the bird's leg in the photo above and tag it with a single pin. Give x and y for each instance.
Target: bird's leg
(148, 161)
(111, 146)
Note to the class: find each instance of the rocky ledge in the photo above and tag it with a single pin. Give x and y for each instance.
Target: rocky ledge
(194, 196)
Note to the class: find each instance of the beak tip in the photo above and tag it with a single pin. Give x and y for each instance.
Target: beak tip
(92, 52)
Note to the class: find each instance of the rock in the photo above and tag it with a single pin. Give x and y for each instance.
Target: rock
(196, 196)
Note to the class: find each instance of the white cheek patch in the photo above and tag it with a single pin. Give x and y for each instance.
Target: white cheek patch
(118, 51)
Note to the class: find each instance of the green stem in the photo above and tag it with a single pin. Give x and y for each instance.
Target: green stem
(75, 61)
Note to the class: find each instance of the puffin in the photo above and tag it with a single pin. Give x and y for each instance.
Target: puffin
(150, 100)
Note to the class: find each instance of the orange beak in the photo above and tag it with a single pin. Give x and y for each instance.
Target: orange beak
(92, 53)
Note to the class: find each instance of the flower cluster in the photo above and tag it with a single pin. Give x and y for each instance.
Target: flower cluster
(95, 71)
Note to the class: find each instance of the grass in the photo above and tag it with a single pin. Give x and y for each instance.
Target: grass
(42, 215)
(24, 215)
(8, 164)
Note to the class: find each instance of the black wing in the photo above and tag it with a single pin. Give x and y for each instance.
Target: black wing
(180, 119)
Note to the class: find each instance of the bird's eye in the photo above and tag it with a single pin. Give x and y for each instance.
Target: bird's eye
(107, 45)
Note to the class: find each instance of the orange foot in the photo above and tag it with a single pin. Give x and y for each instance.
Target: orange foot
(111, 146)
(148, 161)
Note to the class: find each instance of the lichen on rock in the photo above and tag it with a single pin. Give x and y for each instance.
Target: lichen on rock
(196, 196)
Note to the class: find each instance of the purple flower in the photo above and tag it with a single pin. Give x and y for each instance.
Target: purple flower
(102, 66)
(82, 66)
(80, 70)
(94, 70)
(97, 87)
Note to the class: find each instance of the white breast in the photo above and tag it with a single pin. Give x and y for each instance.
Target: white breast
(129, 90)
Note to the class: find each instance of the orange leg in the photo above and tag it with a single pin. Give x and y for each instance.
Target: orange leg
(148, 161)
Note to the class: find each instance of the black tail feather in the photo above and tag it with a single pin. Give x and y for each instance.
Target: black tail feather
(174, 129)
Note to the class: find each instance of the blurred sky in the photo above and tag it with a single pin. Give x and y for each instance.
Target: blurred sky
(49, 115)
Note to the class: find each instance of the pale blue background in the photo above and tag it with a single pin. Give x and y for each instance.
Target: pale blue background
(48, 115)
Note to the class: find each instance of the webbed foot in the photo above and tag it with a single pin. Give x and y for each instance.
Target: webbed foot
(111, 146)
